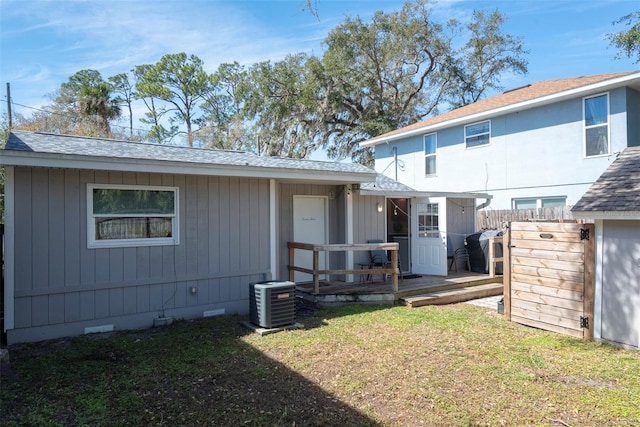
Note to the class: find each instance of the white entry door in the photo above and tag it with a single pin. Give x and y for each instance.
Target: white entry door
(309, 226)
(428, 245)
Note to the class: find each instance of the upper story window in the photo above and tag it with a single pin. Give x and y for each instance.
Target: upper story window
(596, 125)
(131, 215)
(539, 202)
(477, 134)
(430, 145)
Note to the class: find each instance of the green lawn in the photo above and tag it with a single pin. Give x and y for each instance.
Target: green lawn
(457, 365)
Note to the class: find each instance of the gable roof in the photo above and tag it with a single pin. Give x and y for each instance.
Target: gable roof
(616, 193)
(518, 99)
(66, 151)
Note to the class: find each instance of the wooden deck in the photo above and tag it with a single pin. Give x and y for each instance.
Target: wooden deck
(459, 286)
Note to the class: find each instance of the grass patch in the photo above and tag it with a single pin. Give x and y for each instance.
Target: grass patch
(457, 365)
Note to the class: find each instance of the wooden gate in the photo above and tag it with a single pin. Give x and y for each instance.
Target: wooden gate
(549, 276)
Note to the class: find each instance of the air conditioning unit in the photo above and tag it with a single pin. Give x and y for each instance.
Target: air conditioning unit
(272, 304)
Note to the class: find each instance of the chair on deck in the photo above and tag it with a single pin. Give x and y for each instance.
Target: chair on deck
(380, 258)
(461, 254)
(450, 253)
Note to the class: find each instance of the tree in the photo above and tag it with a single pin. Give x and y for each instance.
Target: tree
(4, 137)
(282, 104)
(223, 121)
(628, 40)
(401, 67)
(486, 56)
(92, 97)
(153, 117)
(379, 76)
(181, 82)
(125, 95)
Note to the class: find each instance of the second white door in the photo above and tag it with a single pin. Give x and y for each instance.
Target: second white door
(309, 226)
(428, 247)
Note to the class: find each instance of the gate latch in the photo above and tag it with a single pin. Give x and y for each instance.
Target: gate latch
(584, 322)
(584, 234)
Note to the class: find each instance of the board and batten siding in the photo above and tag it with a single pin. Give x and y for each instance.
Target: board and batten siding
(368, 223)
(61, 286)
(620, 293)
(286, 192)
(460, 219)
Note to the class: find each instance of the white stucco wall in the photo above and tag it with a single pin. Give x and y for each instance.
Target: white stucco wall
(533, 153)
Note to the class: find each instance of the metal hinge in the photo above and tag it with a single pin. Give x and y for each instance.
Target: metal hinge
(584, 234)
(584, 322)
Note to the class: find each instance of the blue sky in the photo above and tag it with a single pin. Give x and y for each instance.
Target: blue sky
(45, 42)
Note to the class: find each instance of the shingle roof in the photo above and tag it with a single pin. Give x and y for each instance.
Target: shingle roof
(78, 147)
(384, 184)
(510, 97)
(617, 189)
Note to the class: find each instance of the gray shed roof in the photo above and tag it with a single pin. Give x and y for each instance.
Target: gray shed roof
(54, 150)
(617, 191)
(385, 186)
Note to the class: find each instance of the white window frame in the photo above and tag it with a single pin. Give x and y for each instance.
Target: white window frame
(538, 200)
(123, 243)
(488, 133)
(427, 210)
(585, 127)
(426, 155)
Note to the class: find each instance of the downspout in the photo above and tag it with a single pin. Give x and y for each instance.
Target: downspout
(273, 230)
(485, 204)
(349, 226)
(395, 160)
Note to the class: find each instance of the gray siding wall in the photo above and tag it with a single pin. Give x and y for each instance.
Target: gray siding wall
(285, 221)
(460, 224)
(61, 287)
(621, 282)
(368, 223)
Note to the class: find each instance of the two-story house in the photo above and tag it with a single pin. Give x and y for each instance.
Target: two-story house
(540, 145)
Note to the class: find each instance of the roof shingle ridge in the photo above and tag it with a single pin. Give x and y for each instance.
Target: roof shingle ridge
(98, 138)
(512, 97)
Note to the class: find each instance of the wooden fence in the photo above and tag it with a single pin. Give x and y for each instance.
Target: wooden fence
(496, 219)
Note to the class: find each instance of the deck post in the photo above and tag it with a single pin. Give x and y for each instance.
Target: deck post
(291, 264)
(316, 278)
(394, 275)
(506, 271)
(492, 256)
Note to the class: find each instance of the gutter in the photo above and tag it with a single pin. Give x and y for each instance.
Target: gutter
(31, 159)
(486, 203)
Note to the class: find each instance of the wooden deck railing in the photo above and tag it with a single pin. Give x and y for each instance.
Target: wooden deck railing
(493, 260)
(316, 272)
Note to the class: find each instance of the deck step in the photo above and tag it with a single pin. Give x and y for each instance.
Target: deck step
(448, 284)
(450, 296)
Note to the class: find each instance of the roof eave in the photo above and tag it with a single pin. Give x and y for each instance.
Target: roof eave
(511, 108)
(66, 161)
(618, 215)
(416, 193)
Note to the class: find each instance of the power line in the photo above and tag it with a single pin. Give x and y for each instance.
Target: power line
(56, 113)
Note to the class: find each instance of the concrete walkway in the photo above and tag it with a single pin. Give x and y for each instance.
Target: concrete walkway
(489, 302)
